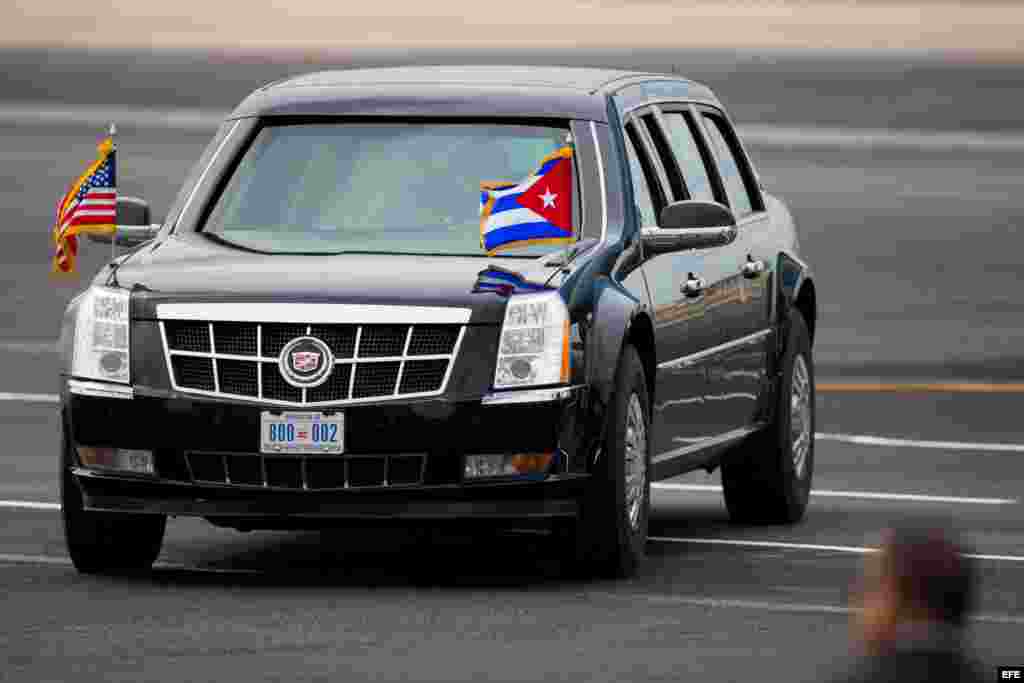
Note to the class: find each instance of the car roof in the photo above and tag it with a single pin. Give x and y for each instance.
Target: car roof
(454, 91)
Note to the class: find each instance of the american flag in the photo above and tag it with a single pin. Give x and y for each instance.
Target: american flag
(89, 206)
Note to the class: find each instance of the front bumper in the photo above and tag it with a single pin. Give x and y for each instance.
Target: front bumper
(179, 430)
(555, 497)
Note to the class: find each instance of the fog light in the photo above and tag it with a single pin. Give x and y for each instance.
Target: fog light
(501, 465)
(120, 459)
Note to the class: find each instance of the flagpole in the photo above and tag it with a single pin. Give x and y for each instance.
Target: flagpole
(113, 235)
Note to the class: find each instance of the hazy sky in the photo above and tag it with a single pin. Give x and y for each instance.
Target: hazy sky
(978, 28)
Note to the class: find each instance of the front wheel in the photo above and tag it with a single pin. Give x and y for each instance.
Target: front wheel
(769, 481)
(612, 528)
(110, 543)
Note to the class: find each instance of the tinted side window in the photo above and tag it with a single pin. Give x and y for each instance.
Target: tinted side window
(661, 147)
(641, 187)
(688, 156)
(729, 167)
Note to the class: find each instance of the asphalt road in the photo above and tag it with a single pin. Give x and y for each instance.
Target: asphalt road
(918, 263)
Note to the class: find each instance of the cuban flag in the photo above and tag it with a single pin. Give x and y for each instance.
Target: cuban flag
(537, 210)
(504, 281)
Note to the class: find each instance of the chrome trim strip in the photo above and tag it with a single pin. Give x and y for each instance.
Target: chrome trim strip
(355, 357)
(213, 357)
(528, 396)
(303, 461)
(259, 366)
(401, 363)
(337, 361)
(313, 313)
(750, 218)
(451, 363)
(721, 439)
(81, 387)
(600, 177)
(694, 358)
(202, 177)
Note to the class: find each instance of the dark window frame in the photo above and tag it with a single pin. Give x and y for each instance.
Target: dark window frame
(653, 174)
(703, 146)
(659, 141)
(746, 168)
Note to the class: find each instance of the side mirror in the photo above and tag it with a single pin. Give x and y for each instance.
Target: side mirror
(133, 224)
(689, 225)
(132, 211)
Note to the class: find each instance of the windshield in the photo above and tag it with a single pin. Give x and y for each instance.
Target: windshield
(391, 188)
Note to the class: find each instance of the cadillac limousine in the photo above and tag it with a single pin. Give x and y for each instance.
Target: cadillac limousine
(498, 293)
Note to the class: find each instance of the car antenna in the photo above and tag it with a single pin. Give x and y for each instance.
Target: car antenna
(114, 265)
(113, 236)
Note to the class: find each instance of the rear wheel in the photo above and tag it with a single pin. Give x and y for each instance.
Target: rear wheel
(612, 528)
(769, 481)
(101, 542)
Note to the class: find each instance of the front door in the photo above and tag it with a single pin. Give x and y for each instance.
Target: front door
(682, 328)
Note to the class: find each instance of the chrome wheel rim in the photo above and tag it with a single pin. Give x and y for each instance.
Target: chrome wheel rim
(636, 460)
(800, 416)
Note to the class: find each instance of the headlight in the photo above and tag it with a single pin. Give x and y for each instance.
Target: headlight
(101, 336)
(534, 348)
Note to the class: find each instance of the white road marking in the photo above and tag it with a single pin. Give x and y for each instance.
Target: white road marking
(711, 603)
(52, 113)
(29, 505)
(766, 606)
(785, 545)
(867, 440)
(866, 138)
(866, 495)
(858, 439)
(13, 558)
(29, 346)
(60, 561)
(763, 544)
(29, 398)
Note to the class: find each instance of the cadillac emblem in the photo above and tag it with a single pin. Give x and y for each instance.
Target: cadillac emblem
(306, 362)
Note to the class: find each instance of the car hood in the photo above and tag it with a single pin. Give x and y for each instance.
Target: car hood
(200, 270)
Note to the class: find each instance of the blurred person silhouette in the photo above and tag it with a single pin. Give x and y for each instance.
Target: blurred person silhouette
(916, 593)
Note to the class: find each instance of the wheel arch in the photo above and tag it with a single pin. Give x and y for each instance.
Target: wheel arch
(641, 335)
(618, 318)
(807, 303)
(795, 289)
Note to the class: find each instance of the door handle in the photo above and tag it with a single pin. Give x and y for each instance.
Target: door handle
(693, 286)
(752, 268)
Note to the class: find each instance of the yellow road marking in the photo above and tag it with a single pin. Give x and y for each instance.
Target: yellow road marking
(920, 387)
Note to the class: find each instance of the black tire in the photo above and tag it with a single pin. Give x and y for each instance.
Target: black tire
(610, 541)
(107, 543)
(764, 482)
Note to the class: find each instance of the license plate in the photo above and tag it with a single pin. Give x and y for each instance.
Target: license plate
(302, 433)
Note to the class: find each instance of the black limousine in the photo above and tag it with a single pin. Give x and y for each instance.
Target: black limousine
(358, 309)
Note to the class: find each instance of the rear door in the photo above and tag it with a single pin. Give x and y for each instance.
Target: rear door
(681, 329)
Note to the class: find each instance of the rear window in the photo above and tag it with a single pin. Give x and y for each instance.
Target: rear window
(381, 187)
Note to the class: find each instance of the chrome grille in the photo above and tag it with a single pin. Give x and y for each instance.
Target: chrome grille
(372, 362)
(309, 473)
